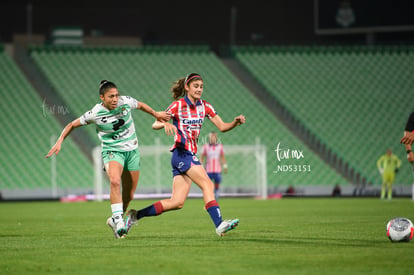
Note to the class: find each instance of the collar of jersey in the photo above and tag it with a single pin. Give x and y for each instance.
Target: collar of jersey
(198, 102)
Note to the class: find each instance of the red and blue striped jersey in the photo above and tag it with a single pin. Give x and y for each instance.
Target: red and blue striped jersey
(188, 118)
(212, 153)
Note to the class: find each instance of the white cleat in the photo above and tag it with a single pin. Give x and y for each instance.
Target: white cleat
(118, 229)
(111, 224)
(226, 226)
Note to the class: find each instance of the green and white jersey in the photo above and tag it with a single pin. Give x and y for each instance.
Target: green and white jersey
(115, 128)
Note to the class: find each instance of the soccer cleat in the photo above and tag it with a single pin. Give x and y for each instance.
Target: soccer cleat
(118, 229)
(111, 224)
(226, 226)
(130, 219)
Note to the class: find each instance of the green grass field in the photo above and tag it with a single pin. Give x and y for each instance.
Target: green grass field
(287, 236)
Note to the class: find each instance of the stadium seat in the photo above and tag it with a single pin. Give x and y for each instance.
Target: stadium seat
(354, 98)
(28, 127)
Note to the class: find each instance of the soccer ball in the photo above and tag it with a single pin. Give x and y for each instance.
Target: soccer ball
(400, 230)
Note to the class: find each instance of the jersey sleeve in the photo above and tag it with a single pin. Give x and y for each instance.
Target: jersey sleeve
(173, 109)
(88, 117)
(132, 102)
(210, 112)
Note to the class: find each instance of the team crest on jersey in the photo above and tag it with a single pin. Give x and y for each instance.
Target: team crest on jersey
(200, 110)
(124, 111)
(195, 158)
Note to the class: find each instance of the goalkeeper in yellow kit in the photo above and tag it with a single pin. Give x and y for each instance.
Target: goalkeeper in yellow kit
(388, 165)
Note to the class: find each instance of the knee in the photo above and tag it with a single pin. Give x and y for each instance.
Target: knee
(115, 182)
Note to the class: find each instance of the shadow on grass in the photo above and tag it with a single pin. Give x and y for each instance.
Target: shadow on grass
(310, 241)
(11, 235)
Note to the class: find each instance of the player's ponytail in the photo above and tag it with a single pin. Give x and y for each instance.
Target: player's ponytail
(178, 89)
(105, 86)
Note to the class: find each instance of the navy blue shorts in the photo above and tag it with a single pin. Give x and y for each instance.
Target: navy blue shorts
(215, 177)
(182, 160)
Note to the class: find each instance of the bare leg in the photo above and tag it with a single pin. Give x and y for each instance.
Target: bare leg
(180, 190)
(114, 171)
(199, 176)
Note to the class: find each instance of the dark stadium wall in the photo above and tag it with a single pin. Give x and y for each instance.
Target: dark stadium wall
(257, 22)
(165, 21)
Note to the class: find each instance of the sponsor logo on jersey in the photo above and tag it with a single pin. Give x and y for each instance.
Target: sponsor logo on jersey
(193, 127)
(193, 121)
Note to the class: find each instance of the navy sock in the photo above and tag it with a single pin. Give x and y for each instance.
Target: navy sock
(213, 209)
(152, 210)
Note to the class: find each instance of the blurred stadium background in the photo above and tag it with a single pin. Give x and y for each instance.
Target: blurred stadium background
(332, 80)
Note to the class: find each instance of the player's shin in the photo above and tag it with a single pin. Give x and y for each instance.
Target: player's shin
(213, 210)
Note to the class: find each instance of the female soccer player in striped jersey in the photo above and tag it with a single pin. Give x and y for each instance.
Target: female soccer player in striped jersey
(188, 113)
(213, 157)
(116, 130)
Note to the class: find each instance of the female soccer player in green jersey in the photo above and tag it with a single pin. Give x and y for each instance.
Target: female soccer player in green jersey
(116, 130)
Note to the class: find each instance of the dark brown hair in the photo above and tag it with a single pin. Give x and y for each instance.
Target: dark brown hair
(178, 89)
(105, 86)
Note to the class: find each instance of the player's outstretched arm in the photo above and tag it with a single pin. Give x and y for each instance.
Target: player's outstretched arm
(161, 116)
(227, 126)
(66, 131)
(170, 129)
